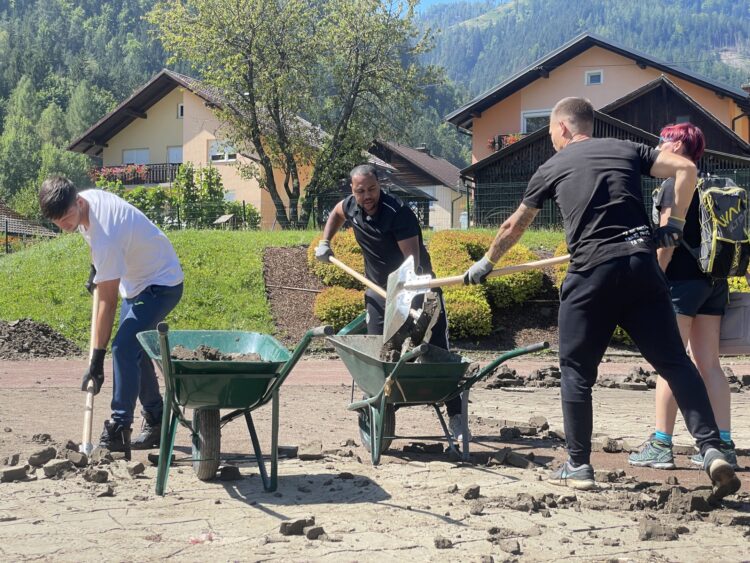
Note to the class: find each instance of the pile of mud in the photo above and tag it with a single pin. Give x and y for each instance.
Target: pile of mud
(24, 339)
(207, 353)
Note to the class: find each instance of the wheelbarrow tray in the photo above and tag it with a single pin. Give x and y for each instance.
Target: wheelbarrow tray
(220, 384)
(433, 378)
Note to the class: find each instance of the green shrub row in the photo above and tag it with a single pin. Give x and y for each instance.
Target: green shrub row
(346, 249)
(338, 306)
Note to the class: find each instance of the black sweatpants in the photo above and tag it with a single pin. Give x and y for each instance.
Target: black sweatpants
(376, 314)
(630, 291)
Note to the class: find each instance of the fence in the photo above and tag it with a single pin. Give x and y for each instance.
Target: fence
(493, 203)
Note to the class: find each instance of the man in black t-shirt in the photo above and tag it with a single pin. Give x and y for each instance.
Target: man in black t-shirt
(388, 232)
(613, 278)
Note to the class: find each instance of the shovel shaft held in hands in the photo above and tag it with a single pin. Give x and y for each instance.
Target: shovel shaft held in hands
(88, 412)
(357, 276)
(459, 280)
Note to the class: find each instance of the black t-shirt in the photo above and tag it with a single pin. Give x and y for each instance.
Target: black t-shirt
(378, 235)
(683, 265)
(596, 183)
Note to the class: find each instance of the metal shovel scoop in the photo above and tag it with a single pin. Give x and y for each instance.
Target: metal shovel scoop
(404, 284)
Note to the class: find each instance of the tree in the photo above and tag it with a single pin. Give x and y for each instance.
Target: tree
(350, 66)
(87, 104)
(51, 127)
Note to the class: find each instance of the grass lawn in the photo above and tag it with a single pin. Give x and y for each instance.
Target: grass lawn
(224, 286)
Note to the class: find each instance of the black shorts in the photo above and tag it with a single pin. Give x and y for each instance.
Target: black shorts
(699, 297)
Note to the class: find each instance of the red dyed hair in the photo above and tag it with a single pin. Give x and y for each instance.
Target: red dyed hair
(691, 136)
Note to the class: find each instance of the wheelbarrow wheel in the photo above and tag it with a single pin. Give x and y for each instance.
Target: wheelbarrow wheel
(389, 428)
(206, 443)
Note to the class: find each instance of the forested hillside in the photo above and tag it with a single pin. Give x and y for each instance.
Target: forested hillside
(482, 43)
(64, 63)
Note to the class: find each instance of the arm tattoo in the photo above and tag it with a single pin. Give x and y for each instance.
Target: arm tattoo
(511, 231)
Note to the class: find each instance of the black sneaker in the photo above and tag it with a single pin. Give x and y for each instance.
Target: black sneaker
(581, 477)
(150, 436)
(115, 438)
(723, 478)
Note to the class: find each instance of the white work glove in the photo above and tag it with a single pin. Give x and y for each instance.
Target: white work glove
(323, 251)
(478, 271)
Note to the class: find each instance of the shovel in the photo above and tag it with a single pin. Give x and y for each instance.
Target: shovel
(86, 446)
(404, 284)
(404, 302)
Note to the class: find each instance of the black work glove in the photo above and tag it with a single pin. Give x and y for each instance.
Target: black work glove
(670, 234)
(90, 285)
(95, 372)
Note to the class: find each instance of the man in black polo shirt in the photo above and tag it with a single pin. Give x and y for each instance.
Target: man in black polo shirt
(613, 278)
(388, 232)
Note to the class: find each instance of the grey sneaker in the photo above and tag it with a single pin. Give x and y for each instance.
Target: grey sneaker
(654, 454)
(727, 448)
(725, 482)
(581, 477)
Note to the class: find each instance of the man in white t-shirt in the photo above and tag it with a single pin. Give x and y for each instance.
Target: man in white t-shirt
(132, 257)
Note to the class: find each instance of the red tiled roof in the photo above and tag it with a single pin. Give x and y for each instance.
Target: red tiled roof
(17, 225)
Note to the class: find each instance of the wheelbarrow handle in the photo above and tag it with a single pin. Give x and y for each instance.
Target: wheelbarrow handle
(162, 328)
(324, 330)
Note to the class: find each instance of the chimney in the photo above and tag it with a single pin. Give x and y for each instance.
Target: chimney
(423, 148)
(746, 87)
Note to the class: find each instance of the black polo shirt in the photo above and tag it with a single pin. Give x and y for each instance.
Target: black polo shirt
(378, 236)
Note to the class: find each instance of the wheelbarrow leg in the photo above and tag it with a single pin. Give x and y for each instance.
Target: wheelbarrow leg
(268, 484)
(451, 445)
(166, 446)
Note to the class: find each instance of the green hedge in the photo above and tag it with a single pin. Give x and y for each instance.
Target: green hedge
(338, 306)
(346, 249)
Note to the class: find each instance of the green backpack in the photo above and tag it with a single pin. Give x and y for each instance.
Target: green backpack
(724, 227)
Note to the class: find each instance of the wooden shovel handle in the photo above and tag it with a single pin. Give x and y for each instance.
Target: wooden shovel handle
(459, 280)
(88, 412)
(357, 276)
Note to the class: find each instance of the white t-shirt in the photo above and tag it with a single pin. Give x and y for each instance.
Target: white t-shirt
(126, 245)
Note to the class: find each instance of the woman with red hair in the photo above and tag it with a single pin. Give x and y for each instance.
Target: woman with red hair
(699, 302)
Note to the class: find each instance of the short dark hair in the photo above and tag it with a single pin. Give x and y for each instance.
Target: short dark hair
(579, 112)
(56, 196)
(363, 170)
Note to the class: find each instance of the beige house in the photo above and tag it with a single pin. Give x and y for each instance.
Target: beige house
(168, 121)
(601, 71)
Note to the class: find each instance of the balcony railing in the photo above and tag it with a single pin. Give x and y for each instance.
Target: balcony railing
(499, 142)
(137, 174)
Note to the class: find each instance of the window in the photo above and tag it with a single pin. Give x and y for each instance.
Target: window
(135, 156)
(534, 120)
(221, 151)
(180, 111)
(429, 190)
(174, 155)
(229, 195)
(594, 77)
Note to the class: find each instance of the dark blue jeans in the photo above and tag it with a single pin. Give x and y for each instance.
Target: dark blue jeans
(134, 375)
(630, 291)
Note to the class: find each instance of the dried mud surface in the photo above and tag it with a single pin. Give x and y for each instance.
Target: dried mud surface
(205, 353)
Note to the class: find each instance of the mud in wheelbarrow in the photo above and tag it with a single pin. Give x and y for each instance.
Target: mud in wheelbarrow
(208, 386)
(426, 375)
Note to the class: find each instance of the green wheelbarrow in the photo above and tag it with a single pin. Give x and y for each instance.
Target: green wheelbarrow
(426, 375)
(208, 386)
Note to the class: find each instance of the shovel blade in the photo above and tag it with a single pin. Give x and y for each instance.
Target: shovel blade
(397, 300)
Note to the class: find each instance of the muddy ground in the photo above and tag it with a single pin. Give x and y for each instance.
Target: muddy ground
(414, 505)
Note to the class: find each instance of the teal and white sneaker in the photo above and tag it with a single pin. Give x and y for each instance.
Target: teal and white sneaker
(654, 454)
(727, 448)
(581, 477)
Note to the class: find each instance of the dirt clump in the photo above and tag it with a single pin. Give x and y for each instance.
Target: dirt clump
(207, 353)
(23, 339)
